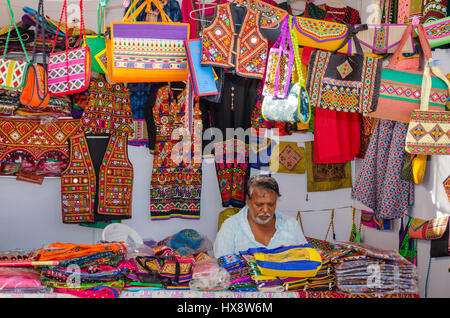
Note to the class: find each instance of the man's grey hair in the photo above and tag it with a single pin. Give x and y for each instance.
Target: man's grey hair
(262, 182)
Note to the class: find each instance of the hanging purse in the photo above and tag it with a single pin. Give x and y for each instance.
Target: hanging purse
(400, 90)
(69, 71)
(279, 64)
(12, 72)
(383, 39)
(296, 106)
(35, 92)
(322, 35)
(429, 130)
(146, 51)
(96, 43)
(342, 82)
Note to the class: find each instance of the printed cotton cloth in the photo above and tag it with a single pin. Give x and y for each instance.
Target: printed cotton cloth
(379, 185)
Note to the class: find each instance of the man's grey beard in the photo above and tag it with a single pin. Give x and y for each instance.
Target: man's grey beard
(261, 221)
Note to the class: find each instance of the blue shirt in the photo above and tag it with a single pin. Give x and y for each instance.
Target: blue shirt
(235, 234)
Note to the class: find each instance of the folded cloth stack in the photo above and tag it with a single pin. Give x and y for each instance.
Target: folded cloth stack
(240, 272)
(381, 272)
(83, 266)
(324, 280)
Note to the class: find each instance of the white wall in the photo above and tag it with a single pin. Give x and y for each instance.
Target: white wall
(30, 214)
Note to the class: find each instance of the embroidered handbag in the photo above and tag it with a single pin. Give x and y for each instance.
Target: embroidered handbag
(288, 157)
(383, 39)
(342, 82)
(400, 90)
(438, 32)
(428, 229)
(69, 71)
(429, 130)
(146, 51)
(321, 34)
(279, 64)
(96, 43)
(12, 72)
(35, 92)
(296, 106)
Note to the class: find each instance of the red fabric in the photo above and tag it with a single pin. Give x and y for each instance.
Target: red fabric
(337, 136)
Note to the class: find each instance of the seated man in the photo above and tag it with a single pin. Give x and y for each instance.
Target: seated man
(258, 224)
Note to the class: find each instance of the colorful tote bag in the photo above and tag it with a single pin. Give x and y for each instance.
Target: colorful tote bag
(429, 130)
(35, 92)
(146, 51)
(96, 43)
(400, 90)
(383, 39)
(279, 65)
(13, 72)
(438, 32)
(342, 82)
(69, 71)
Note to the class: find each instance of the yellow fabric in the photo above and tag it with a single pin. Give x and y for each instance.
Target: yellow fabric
(323, 177)
(295, 254)
(225, 214)
(284, 160)
(419, 165)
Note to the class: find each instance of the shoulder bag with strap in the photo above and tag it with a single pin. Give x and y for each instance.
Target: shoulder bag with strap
(35, 92)
(12, 72)
(69, 71)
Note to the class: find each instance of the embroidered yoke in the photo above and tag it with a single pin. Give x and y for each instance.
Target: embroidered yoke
(79, 188)
(244, 48)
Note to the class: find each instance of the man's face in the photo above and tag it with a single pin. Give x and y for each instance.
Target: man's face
(262, 205)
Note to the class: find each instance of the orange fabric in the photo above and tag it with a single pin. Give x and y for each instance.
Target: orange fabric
(61, 251)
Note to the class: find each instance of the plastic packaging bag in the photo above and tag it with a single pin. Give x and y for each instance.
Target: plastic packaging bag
(208, 275)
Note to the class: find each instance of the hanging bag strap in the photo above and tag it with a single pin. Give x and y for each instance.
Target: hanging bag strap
(101, 15)
(40, 20)
(283, 40)
(132, 14)
(13, 23)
